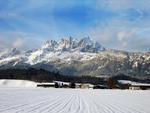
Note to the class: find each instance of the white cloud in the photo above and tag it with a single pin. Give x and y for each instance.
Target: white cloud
(20, 40)
(18, 43)
(122, 38)
(117, 32)
(126, 34)
(120, 5)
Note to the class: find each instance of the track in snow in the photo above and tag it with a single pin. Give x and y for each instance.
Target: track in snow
(32, 100)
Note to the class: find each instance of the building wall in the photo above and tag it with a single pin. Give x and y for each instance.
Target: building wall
(134, 88)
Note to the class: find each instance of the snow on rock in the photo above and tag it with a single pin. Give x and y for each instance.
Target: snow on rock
(84, 45)
(67, 49)
(16, 83)
(9, 53)
(72, 51)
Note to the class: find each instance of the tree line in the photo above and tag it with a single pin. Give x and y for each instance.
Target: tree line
(41, 75)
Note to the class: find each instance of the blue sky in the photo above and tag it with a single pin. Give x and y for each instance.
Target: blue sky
(118, 24)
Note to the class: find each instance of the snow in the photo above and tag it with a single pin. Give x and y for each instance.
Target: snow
(16, 83)
(50, 100)
(126, 82)
(51, 50)
(132, 83)
(9, 59)
(35, 57)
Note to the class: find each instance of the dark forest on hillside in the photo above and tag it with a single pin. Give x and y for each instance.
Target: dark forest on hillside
(46, 76)
(40, 75)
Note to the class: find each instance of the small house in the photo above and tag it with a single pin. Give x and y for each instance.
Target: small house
(46, 85)
(139, 86)
(86, 86)
(100, 87)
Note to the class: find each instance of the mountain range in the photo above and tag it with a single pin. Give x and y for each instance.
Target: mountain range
(78, 58)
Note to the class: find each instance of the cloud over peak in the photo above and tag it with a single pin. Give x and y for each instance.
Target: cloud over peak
(118, 24)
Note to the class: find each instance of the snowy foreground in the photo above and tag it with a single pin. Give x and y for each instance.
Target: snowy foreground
(50, 100)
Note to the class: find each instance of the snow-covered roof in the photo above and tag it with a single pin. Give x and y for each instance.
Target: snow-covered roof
(133, 83)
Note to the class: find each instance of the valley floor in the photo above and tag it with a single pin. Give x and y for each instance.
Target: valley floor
(49, 100)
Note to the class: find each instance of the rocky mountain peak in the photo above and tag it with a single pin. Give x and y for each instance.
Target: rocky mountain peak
(71, 44)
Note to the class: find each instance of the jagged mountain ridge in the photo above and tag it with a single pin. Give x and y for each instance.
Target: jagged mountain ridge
(83, 45)
(78, 57)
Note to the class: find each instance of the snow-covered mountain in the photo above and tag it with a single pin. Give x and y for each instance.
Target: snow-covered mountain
(66, 50)
(78, 57)
(70, 44)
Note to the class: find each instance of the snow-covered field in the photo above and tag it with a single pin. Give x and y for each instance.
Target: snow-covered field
(16, 83)
(50, 100)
